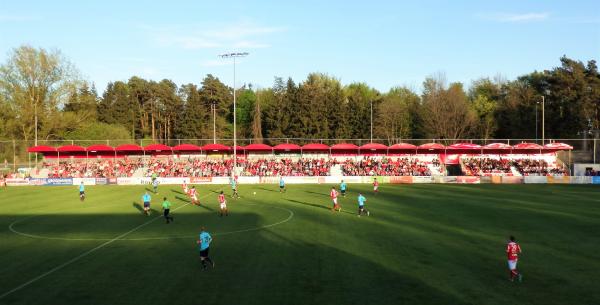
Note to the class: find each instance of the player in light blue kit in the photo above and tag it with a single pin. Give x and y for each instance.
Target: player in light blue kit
(146, 199)
(204, 241)
(361, 205)
(343, 188)
(281, 185)
(81, 191)
(155, 185)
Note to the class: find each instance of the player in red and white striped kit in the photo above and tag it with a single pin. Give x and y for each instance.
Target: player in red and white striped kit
(334, 194)
(375, 186)
(223, 205)
(513, 250)
(194, 196)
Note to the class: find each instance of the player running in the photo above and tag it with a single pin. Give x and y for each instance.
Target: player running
(234, 189)
(513, 250)
(361, 205)
(204, 241)
(146, 200)
(343, 188)
(333, 194)
(223, 205)
(375, 186)
(281, 185)
(166, 206)
(194, 196)
(81, 191)
(155, 185)
(185, 188)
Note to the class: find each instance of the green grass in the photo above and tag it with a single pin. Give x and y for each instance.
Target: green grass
(423, 244)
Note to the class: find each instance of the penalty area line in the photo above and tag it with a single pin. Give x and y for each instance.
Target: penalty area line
(84, 254)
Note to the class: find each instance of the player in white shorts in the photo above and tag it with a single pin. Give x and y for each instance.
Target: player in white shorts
(194, 196)
(185, 188)
(223, 205)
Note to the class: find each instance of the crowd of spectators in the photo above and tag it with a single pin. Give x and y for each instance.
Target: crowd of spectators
(476, 167)
(367, 166)
(287, 167)
(104, 168)
(387, 167)
(526, 167)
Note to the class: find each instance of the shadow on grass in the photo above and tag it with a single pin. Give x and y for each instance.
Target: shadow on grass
(318, 206)
(266, 189)
(187, 200)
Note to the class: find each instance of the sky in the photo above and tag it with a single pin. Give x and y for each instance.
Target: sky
(381, 43)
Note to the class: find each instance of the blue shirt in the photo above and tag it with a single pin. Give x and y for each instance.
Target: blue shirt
(343, 186)
(146, 198)
(361, 200)
(281, 183)
(81, 187)
(205, 240)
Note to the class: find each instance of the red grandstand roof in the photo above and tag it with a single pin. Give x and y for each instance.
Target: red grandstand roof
(558, 146)
(258, 147)
(71, 148)
(373, 146)
(431, 146)
(499, 146)
(216, 147)
(129, 148)
(402, 146)
(287, 147)
(344, 146)
(238, 148)
(464, 146)
(99, 147)
(157, 147)
(187, 147)
(41, 149)
(526, 146)
(315, 147)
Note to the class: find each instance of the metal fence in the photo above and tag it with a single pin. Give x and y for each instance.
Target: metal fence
(13, 153)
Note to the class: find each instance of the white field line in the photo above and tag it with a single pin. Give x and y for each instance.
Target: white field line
(84, 254)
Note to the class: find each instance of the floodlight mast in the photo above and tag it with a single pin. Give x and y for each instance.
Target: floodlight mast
(234, 56)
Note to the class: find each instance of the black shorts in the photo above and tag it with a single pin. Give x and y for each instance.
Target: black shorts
(81, 193)
(282, 186)
(166, 212)
(204, 253)
(343, 192)
(146, 204)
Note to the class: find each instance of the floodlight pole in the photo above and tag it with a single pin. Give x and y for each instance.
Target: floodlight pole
(371, 121)
(543, 119)
(234, 56)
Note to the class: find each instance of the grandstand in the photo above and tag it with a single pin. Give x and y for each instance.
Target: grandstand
(316, 159)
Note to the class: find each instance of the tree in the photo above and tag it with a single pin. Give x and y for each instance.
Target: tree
(393, 119)
(445, 113)
(193, 120)
(358, 99)
(484, 96)
(35, 82)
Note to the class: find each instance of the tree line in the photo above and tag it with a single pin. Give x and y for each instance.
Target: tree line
(35, 82)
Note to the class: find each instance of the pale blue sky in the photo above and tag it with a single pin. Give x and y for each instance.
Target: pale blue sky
(382, 43)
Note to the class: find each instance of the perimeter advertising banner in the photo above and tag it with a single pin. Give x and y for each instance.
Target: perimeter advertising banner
(401, 180)
(560, 179)
(535, 179)
(59, 181)
(467, 179)
(17, 181)
(86, 181)
(200, 180)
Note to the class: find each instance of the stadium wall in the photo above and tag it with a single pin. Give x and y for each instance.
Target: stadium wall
(309, 180)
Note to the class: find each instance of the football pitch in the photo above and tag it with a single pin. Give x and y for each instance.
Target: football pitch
(422, 244)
